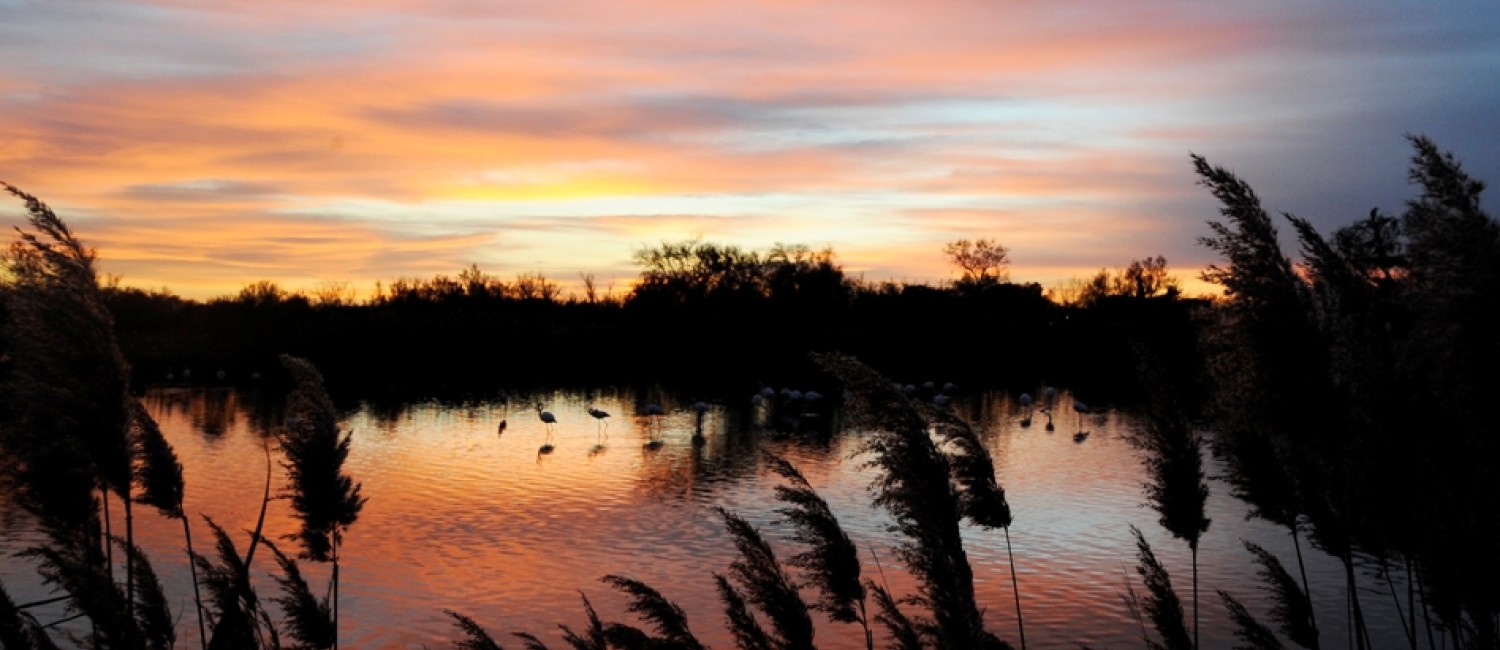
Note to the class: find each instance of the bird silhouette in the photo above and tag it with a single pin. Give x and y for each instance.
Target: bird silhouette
(601, 416)
(653, 412)
(1026, 404)
(1049, 399)
(1081, 408)
(548, 419)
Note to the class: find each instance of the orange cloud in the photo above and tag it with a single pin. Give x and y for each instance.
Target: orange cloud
(437, 135)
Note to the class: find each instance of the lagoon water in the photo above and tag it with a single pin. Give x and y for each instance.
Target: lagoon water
(464, 518)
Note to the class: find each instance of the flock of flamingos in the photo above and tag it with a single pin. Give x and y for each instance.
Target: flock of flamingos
(768, 399)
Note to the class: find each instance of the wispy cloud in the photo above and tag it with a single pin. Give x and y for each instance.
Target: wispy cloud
(206, 146)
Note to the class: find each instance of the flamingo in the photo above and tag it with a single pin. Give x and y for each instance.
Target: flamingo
(549, 420)
(1081, 408)
(652, 410)
(1026, 403)
(601, 416)
(941, 400)
(1049, 398)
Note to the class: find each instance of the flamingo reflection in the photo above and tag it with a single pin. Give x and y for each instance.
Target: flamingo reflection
(700, 408)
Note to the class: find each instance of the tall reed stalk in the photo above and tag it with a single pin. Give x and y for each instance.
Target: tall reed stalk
(1173, 454)
(325, 500)
(69, 429)
(832, 560)
(159, 475)
(916, 485)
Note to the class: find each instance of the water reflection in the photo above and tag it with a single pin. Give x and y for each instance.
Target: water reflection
(462, 515)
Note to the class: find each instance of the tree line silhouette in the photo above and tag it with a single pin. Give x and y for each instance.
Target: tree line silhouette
(701, 311)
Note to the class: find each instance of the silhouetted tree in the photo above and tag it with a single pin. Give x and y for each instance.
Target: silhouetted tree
(980, 262)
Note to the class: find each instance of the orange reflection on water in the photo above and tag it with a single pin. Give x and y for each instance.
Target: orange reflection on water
(461, 516)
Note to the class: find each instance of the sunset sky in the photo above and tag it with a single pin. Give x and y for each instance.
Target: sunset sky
(201, 146)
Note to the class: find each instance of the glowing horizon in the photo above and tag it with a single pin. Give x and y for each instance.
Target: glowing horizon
(204, 149)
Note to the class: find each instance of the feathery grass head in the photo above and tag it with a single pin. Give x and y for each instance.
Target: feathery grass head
(475, 637)
(914, 484)
(905, 634)
(232, 602)
(66, 382)
(664, 615)
(152, 614)
(1160, 602)
(529, 641)
(1291, 608)
(748, 633)
(326, 500)
(75, 570)
(308, 618)
(1251, 633)
(767, 585)
(593, 637)
(981, 498)
(19, 629)
(157, 469)
(832, 561)
(1178, 489)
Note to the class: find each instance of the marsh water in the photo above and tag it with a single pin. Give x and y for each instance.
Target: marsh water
(463, 517)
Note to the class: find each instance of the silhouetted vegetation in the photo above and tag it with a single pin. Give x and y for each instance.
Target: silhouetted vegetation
(1349, 393)
(697, 306)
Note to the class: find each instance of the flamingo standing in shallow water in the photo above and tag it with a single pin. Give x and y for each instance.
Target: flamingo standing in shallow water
(549, 420)
(601, 416)
(1049, 399)
(1026, 404)
(652, 411)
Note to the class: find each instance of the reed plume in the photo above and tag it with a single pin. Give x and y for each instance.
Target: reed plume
(748, 633)
(19, 629)
(982, 498)
(475, 637)
(1160, 602)
(309, 619)
(1178, 486)
(914, 485)
(1291, 608)
(767, 586)
(1252, 634)
(66, 393)
(669, 621)
(593, 637)
(903, 632)
(233, 607)
(831, 562)
(159, 475)
(529, 641)
(158, 629)
(325, 500)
